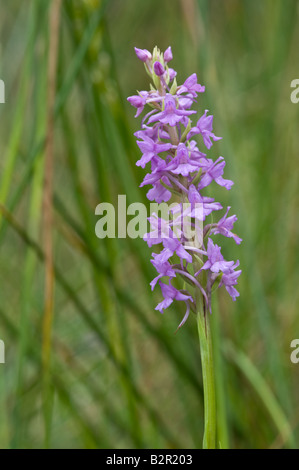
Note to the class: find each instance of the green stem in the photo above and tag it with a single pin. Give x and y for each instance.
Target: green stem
(205, 339)
(220, 373)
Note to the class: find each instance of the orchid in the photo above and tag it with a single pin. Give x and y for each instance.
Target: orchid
(179, 169)
(178, 166)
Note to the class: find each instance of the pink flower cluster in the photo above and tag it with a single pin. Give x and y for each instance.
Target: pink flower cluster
(179, 170)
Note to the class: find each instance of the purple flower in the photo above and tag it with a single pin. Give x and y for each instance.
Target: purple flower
(196, 153)
(191, 86)
(173, 246)
(230, 279)
(150, 149)
(158, 193)
(138, 101)
(164, 268)
(204, 127)
(178, 167)
(167, 55)
(214, 171)
(158, 168)
(171, 115)
(161, 230)
(143, 54)
(225, 226)
(153, 132)
(170, 294)
(205, 205)
(172, 73)
(159, 69)
(185, 101)
(182, 164)
(216, 262)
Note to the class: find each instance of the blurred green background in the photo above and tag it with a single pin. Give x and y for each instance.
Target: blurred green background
(117, 376)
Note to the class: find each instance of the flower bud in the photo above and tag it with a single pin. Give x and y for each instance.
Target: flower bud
(143, 54)
(168, 55)
(159, 69)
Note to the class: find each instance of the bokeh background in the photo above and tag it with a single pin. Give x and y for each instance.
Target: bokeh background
(116, 375)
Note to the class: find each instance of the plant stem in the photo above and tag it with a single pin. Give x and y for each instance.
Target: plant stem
(205, 339)
(54, 24)
(220, 373)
